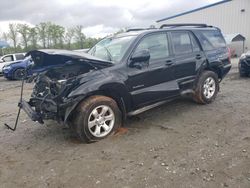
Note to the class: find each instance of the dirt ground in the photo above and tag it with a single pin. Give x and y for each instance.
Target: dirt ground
(180, 144)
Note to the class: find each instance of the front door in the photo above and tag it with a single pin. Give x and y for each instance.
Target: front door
(154, 80)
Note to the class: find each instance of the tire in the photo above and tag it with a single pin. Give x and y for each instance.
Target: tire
(207, 88)
(96, 118)
(19, 74)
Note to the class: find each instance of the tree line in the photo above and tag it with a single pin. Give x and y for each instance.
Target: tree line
(23, 37)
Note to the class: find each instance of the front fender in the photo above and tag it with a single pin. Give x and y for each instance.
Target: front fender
(111, 85)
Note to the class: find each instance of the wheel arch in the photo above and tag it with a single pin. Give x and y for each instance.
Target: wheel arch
(116, 95)
(14, 70)
(206, 66)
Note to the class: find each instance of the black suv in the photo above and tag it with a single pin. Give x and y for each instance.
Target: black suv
(126, 74)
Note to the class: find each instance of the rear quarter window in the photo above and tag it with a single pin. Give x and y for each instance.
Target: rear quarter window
(211, 39)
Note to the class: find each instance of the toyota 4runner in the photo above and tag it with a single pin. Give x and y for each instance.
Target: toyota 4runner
(124, 75)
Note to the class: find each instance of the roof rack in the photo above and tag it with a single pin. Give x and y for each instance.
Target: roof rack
(185, 24)
(139, 29)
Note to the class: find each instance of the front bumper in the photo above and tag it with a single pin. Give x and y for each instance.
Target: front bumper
(7, 73)
(245, 66)
(34, 116)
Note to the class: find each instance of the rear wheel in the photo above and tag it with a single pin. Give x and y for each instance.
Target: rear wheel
(19, 74)
(96, 118)
(207, 88)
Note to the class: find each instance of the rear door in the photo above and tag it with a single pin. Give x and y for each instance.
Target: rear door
(154, 81)
(188, 57)
(215, 47)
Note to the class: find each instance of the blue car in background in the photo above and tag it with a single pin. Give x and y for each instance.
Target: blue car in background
(16, 71)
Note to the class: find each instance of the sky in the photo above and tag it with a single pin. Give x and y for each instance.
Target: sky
(98, 17)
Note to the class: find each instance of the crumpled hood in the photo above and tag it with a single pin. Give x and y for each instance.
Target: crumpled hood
(46, 58)
(248, 54)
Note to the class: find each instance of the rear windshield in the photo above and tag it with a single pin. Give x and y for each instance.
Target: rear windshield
(211, 39)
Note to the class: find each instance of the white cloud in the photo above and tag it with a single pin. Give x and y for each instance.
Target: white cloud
(99, 17)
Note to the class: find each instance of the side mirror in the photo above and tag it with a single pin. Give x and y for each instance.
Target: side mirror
(1, 61)
(139, 57)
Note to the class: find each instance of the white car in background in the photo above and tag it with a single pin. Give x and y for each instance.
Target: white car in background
(10, 58)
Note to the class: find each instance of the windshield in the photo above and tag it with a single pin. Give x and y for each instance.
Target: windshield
(111, 49)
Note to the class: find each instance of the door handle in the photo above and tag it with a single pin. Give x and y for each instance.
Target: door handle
(169, 62)
(198, 56)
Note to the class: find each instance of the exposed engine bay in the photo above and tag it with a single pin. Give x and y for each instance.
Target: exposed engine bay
(56, 74)
(52, 85)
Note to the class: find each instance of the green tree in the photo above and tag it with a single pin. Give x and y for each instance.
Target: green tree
(55, 34)
(24, 30)
(42, 29)
(79, 36)
(33, 35)
(69, 37)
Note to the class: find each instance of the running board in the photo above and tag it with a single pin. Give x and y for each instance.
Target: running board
(143, 109)
(187, 92)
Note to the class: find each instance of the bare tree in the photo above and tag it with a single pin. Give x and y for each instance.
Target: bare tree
(13, 35)
(79, 36)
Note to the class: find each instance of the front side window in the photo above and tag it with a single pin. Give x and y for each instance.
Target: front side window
(157, 44)
(181, 43)
(112, 49)
(8, 58)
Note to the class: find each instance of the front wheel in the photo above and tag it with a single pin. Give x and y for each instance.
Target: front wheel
(96, 118)
(207, 88)
(19, 74)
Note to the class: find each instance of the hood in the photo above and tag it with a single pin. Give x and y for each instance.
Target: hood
(248, 54)
(44, 59)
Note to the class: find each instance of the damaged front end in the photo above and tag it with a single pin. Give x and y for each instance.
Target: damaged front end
(56, 74)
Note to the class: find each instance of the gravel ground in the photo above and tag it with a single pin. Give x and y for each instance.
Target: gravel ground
(180, 144)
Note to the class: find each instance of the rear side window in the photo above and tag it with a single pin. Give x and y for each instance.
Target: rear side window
(19, 56)
(181, 43)
(157, 44)
(211, 40)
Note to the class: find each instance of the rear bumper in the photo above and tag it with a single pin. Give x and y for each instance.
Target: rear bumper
(33, 115)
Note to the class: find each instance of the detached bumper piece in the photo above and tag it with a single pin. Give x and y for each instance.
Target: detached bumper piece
(34, 116)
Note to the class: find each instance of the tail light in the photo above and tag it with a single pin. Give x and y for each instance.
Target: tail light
(229, 54)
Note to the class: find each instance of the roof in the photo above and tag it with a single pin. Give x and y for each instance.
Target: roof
(194, 10)
(234, 38)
